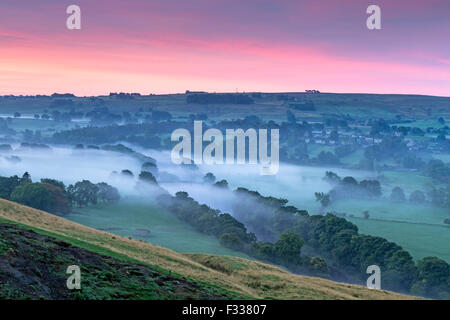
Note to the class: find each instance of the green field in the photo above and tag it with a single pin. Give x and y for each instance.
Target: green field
(315, 149)
(419, 239)
(165, 230)
(409, 181)
(417, 228)
(387, 210)
(353, 158)
(267, 107)
(21, 124)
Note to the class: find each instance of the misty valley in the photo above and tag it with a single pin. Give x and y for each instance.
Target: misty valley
(362, 179)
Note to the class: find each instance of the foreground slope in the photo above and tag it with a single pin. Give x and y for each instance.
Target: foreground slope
(33, 266)
(231, 276)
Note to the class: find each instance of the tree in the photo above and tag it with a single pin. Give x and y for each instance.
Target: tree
(209, 178)
(288, 248)
(349, 181)
(182, 195)
(284, 218)
(417, 196)
(334, 136)
(371, 187)
(83, 193)
(439, 197)
(397, 194)
(127, 173)
(54, 182)
(262, 250)
(147, 177)
(433, 278)
(332, 177)
(290, 117)
(107, 193)
(323, 198)
(26, 178)
(319, 266)
(222, 184)
(59, 200)
(231, 240)
(7, 186)
(438, 170)
(34, 195)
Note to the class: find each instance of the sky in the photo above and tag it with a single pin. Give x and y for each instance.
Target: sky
(170, 46)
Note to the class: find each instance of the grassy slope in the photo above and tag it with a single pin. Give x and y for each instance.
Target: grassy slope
(102, 277)
(245, 277)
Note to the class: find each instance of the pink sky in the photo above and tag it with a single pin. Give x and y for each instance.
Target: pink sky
(155, 46)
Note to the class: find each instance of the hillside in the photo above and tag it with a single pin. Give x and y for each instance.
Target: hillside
(33, 266)
(187, 275)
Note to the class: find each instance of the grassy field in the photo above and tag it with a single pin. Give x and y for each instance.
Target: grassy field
(354, 158)
(357, 105)
(387, 210)
(245, 277)
(409, 181)
(417, 228)
(21, 124)
(46, 127)
(315, 149)
(165, 229)
(420, 240)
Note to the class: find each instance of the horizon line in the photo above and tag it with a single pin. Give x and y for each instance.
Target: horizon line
(219, 92)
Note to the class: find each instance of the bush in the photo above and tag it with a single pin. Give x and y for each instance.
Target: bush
(417, 197)
(34, 195)
(288, 248)
(232, 241)
(397, 194)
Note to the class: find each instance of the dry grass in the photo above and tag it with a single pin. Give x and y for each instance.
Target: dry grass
(249, 278)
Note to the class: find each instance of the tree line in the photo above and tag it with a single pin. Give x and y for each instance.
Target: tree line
(53, 196)
(233, 234)
(216, 98)
(340, 242)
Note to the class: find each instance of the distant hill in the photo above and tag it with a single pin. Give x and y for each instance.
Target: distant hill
(35, 248)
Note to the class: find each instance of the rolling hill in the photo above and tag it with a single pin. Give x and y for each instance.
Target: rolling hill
(36, 245)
